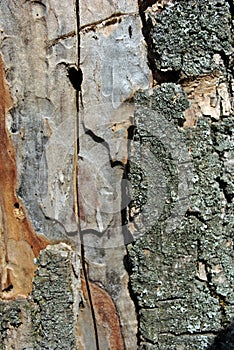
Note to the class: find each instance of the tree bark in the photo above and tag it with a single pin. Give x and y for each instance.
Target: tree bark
(116, 159)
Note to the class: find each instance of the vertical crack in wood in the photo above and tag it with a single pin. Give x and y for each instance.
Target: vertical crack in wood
(106, 314)
(76, 190)
(76, 128)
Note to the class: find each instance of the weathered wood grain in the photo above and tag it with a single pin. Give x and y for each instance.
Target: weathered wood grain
(19, 243)
(114, 66)
(39, 43)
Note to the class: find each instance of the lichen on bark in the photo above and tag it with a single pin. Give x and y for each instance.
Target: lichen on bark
(48, 318)
(184, 37)
(182, 272)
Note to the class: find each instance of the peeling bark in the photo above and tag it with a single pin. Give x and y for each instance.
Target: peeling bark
(208, 95)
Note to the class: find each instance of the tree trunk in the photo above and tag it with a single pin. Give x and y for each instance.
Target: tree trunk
(116, 159)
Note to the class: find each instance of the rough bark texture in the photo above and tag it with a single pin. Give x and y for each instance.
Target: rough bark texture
(182, 266)
(116, 163)
(47, 319)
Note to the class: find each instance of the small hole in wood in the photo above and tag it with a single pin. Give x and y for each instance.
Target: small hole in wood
(13, 129)
(75, 76)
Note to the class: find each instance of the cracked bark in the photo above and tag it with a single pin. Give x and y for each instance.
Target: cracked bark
(126, 163)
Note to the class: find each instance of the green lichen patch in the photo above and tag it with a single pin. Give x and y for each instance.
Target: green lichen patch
(52, 313)
(182, 278)
(168, 100)
(159, 163)
(10, 319)
(184, 37)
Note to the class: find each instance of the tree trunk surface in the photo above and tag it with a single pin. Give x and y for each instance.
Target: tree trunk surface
(116, 175)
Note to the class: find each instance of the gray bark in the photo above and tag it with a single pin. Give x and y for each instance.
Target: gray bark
(182, 266)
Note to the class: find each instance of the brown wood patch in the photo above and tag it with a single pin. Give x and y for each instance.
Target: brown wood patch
(19, 244)
(108, 325)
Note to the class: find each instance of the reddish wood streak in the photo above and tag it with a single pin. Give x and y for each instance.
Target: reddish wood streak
(106, 316)
(16, 229)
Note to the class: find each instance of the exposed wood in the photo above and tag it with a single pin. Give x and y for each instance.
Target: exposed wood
(108, 323)
(45, 133)
(19, 243)
(113, 62)
(208, 95)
